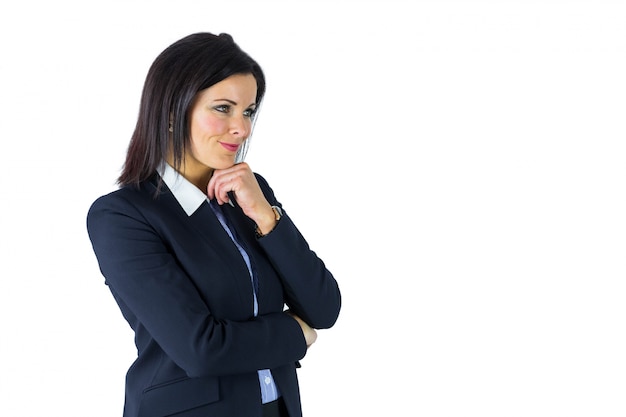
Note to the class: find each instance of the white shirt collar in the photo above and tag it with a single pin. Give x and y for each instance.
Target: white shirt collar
(188, 195)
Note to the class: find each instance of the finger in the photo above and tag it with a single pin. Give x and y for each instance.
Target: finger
(211, 186)
(221, 194)
(225, 189)
(214, 185)
(210, 190)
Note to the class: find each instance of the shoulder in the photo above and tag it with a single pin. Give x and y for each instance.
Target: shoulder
(130, 210)
(127, 200)
(119, 198)
(106, 209)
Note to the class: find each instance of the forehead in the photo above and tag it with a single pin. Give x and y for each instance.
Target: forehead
(240, 88)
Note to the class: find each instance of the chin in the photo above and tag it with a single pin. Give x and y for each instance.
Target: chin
(224, 164)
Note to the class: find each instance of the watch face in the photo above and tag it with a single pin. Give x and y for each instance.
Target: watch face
(278, 212)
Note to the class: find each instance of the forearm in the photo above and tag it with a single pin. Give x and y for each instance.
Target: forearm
(311, 290)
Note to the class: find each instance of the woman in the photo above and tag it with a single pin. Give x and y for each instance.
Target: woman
(199, 254)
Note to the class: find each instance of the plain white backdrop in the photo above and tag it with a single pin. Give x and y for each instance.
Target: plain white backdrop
(459, 165)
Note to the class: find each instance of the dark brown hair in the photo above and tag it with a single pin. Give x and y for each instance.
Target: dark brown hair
(186, 67)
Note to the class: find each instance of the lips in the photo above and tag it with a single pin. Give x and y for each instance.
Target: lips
(230, 146)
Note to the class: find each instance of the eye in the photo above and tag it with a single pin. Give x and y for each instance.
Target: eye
(222, 108)
(249, 112)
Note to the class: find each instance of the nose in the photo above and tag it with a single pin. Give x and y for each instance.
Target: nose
(240, 126)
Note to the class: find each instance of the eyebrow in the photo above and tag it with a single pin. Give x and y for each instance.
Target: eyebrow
(234, 103)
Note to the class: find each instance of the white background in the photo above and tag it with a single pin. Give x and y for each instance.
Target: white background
(458, 165)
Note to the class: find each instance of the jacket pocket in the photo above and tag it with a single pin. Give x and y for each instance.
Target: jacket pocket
(178, 395)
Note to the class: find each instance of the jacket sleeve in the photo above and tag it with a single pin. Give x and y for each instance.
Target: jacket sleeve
(157, 297)
(311, 290)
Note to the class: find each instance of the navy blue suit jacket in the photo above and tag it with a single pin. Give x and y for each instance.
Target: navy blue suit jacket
(185, 290)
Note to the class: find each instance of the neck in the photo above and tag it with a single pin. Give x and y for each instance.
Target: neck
(198, 175)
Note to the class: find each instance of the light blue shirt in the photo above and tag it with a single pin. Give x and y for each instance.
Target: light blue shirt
(190, 199)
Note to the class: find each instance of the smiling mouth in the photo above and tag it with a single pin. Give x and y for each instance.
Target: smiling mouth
(229, 146)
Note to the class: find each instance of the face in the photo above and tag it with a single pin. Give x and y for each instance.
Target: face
(221, 120)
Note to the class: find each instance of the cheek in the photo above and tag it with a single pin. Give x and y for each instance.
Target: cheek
(203, 128)
(212, 126)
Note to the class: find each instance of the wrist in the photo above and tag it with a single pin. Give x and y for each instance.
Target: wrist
(267, 223)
